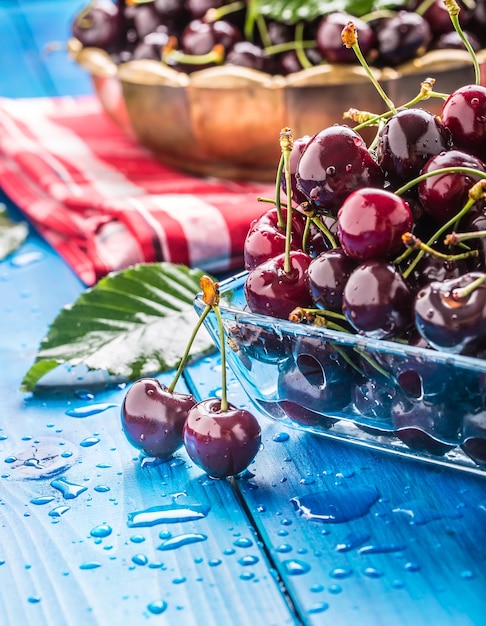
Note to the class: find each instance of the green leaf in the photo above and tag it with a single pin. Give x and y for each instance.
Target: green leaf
(12, 234)
(132, 323)
(293, 11)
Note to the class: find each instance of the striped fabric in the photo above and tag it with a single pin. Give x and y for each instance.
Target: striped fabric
(104, 203)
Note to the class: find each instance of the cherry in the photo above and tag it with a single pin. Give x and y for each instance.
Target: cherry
(266, 238)
(450, 319)
(327, 275)
(247, 54)
(335, 163)
(221, 441)
(402, 37)
(474, 436)
(200, 37)
(329, 42)
(444, 195)
(153, 417)
(464, 115)
(407, 141)
(297, 149)
(97, 25)
(371, 223)
(271, 290)
(144, 17)
(377, 301)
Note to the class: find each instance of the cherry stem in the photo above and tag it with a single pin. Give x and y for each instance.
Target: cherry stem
(286, 144)
(170, 53)
(185, 356)
(454, 10)
(476, 192)
(222, 348)
(460, 294)
(414, 243)
(300, 314)
(454, 238)
(288, 45)
(441, 170)
(214, 14)
(278, 199)
(299, 51)
(349, 37)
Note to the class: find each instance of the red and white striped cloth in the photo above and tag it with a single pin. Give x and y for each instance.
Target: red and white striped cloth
(104, 203)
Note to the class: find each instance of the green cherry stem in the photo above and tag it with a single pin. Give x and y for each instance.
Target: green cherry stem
(349, 37)
(461, 294)
(414, 243)
(214, 14)
(454, 10)
(437, 172)
(286, 144)
(278, 199)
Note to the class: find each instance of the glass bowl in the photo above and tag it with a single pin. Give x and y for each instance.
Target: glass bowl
(414, 402)
(226, 120)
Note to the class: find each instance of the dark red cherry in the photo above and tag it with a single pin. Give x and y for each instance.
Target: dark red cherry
(153, 417)
(371, 223)
(270, 290)
(335, 163)
(327, 275)
(329, 41)
(407, 141)
(247, 54)
(464, 115)
(448, 320)
(444, 195)
(297, 149)
(266, 239)
(221, 442)
(200, 37)
(402, 37)
(377, 302)
(97, 25)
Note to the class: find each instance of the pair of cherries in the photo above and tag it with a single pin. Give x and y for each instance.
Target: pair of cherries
(219, 437)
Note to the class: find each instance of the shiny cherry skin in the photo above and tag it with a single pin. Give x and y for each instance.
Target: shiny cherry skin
(402, 37)
(269, 290)
(297, 149)
(153, 417)
(266, 239)
(407, 141)
(97, 25)
(377, 301)
(448, 322)
(371, 223)
(329, 41)
(444, 195)
(200, 37)
(335, 163)
(328, 274)
(222, 443)
(464, 115)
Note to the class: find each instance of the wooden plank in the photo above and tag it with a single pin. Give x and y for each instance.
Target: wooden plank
(415, 556)
(70, 560)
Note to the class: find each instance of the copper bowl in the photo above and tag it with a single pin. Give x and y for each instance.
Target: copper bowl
(225, 121)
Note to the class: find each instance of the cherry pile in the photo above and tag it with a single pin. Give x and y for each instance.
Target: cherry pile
(219, 437)
(193, 34)
(384, 241)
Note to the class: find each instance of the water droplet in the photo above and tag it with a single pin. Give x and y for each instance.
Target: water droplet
(381, 549)
(412, 567)
(248, 559)
(157, 607)
(335, 589)
(181, 540)
(42, 500)
(284, 548)
(341, 572)
(214, 562)
(103, 530)
(90, 409)
(280, 437)
(419, 512)
(89, 441)
(167, 513)
(295, 567)
(33, 599)
(89, 565)
(69, 490)
(336, 507)
(372, 572)
(140, 559)
(247, 575)
(23, 259)
(58, 511)
(243, 542)
(102, 488)
(318, 607)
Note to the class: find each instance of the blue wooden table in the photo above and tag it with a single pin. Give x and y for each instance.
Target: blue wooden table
(407, 546)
